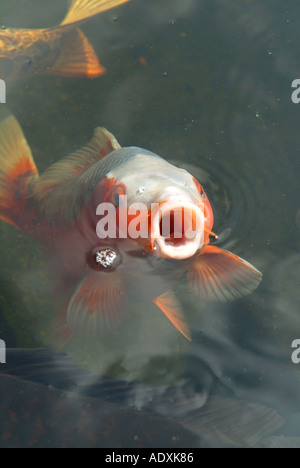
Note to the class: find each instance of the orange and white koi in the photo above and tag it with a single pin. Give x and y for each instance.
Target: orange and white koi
(60, 209)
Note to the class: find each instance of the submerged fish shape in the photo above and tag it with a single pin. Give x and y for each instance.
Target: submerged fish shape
(42, 389)
(83, 210)
(59, 51)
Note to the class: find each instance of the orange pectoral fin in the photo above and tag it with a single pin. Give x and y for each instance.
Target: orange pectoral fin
(98, 303)
(219, 275)
(169, 305)
(77, 58)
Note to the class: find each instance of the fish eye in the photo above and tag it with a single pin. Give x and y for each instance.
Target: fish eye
(103, 259)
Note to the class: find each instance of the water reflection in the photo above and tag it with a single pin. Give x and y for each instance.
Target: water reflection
(98, 405)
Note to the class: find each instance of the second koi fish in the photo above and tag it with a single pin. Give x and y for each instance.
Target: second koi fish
(60, 51)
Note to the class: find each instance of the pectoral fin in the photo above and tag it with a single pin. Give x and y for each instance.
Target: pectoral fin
(98, 303)
(170, 306)
(219, 275)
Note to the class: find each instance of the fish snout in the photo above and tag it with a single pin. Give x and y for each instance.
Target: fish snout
(177, 228)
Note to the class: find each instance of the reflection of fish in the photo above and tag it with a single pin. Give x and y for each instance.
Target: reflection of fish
(50, 401)
(60, 209)
(43, 417)
(58, 51)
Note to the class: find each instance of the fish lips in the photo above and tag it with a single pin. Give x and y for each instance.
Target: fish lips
(177, 229)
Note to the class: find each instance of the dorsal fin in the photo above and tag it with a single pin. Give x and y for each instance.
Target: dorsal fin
(81, 10)
(62, 197)
(102, 143)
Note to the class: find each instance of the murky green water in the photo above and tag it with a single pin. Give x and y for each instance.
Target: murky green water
(213, 92)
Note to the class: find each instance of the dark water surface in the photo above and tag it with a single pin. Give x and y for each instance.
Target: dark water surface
(213, 93)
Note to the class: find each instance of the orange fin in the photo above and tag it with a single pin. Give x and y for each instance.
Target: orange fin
(16, 167)
(169, 305)
(81, 10)
(219, 275)
(98, 303)
(77, 58)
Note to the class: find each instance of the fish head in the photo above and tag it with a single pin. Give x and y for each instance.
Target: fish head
(163, 207)
(145, 222)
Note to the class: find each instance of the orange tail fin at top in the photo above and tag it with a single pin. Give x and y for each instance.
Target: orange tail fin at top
(16, 168)
(81, 10)
(77, 58)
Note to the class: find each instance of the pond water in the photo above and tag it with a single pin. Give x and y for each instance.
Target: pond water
(208, 86)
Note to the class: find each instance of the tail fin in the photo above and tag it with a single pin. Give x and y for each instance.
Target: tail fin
(77, 58)
(16, 167)
(81, 10)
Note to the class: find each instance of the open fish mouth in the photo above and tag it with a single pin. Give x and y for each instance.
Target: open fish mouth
(177, 229)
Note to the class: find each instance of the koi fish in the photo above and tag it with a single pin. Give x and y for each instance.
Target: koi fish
(59, 51)
(64, 209)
